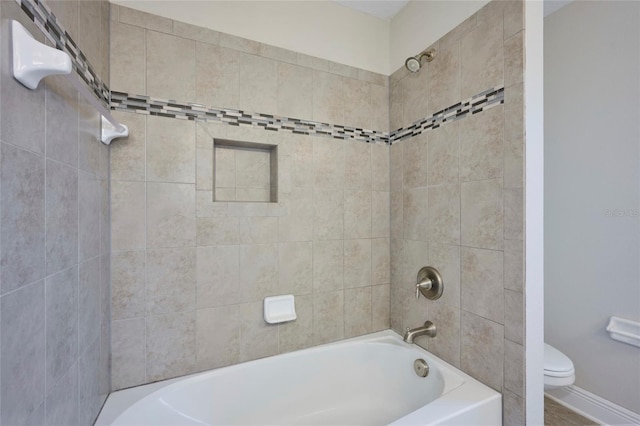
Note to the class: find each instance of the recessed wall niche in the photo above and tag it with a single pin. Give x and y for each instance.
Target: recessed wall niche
(245, 171)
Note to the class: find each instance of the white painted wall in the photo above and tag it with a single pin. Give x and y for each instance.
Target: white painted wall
(592, 165)
(319, 28)
(421, 23)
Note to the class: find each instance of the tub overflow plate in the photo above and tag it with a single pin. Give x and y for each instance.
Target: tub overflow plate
(421, 367)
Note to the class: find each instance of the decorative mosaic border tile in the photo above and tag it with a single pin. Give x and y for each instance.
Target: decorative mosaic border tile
(475, 104)
(168, 108)
(53, 30)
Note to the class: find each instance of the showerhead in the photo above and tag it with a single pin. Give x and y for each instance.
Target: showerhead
(414, 63)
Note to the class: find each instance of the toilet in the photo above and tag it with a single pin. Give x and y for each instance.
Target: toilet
(558, 369)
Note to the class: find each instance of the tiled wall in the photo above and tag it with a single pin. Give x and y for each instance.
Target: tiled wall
(55, 236)
(457, 202)
(189, 274)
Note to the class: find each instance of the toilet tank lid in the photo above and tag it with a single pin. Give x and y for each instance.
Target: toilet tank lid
(554, 360)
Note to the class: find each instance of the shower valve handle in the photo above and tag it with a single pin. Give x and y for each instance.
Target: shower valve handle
(423, 285)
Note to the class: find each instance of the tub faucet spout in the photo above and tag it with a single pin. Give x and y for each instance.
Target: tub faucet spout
(428, 329)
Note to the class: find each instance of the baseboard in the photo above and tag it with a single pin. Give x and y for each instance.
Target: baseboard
(594, 407)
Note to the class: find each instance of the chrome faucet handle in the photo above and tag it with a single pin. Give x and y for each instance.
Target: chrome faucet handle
(424, 285)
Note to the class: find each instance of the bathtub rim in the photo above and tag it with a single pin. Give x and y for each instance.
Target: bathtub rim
(459, 386)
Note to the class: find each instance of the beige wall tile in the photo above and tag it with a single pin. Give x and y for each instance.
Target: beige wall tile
(328, 207)
(396, 208)
(482, 218)
(128, 215)
(253, 194)
(446, 344)
(258, 230)
(380, 305)
(171, 280)
(513, 406)
(514, 59)
(218, 231)
(171, 150)
(343, 70)
(295, 90)
(217, 76)
(218, 337)
(513, 17)
(380, 214)
(298, 224)
(238, 43)
(206, 207)
(444, 78)
(396, 166)
(217, 276)
(379, 107)
(357, 214)
(171, 345)
(380, 168)
(258, 84)
(514, 113)
(357, 165)
(357, 111)
(328, 265)
(481, 146)
(415, 161)
(415, 96)
(167, 57)
(128, 353)
(446, 259)
(253, 169)
(482, 57)
(443, 155)
(380, 261)
(328, 98)
(128, 284)
(258, 271)
(127, 60)
(278, 53)
(302, 163)
(482, 349)
(295, 268)
(224, 168)
(257, 338)
(204, 169)
(312, 62)
(328, 317)
(128, 156)
(514, 214)
(514, 265)
(145, 20)
(444, 214)
(298, 334)
(328, 163)
(171, 218)
(415, 223)
(514, 367)
(481, 283)
(415, 256)
(357, 263)
(196, 33)
(396, 119)
(514, 164)
(357, 311)
(514, 316)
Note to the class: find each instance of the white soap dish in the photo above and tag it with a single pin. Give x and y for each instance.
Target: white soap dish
(624, 330)
(279, 309)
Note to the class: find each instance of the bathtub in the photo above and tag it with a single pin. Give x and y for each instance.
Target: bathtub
(368, 380)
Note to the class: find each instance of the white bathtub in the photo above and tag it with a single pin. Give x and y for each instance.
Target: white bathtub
(367, 380)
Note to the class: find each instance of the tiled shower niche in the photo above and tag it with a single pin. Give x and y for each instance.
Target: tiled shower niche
(245, 171)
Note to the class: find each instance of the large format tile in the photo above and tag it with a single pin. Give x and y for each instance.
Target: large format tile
(295, 267)
(295, 90)
(171, 218)
(171, 345)
(218, 231)
(23, 217)
(128, 155)
(89, 400)
(167, 57)
(328, 265)
(444, 214)
(446, 259)
(89, 216)
(217, 76)
(218, 276)
(482, 349)
(257, 338)
(128, 215)
(297, 225)
(328, 222)
(481, 283)
(218, 337)
(380, 261)
(481, 214)
(328, 98)
(357, 111)
(415, 221)
(357, 214)
(380, 307)
(62, 401)
(171, 280)
(61, 307)
(128, 284)
(328, 317)
(444, 78)
(357, 311)
(328, 163)
(89, 280)
(62, 121)
(357, 263)
(443, 155)
(61, 216)
(127, 61)
(481, 145)
(128, 353)
(22, 376)
(357, 165)
(258, 271)
(415, 162)
(298, 334)
(258, 84)
(446, 344)
(171, 150)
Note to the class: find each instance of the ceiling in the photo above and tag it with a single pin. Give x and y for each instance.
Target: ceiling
(383, 9)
